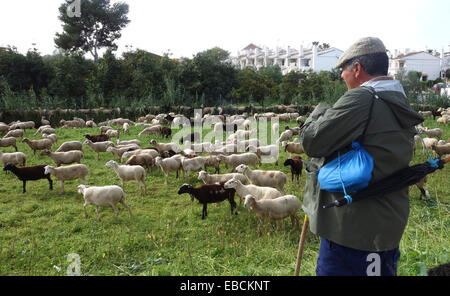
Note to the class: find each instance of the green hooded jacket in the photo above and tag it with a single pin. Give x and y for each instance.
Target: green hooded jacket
(374, 224)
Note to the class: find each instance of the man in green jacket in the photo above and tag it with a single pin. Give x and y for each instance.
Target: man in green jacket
(361, 238)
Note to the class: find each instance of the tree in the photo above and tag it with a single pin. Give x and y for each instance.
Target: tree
(98, 26)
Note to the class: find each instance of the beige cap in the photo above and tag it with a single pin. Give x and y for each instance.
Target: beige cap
(363, 46)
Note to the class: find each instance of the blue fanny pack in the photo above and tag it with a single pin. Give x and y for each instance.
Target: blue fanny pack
(351, 171)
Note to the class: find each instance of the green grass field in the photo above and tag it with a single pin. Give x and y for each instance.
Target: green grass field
(166, 235)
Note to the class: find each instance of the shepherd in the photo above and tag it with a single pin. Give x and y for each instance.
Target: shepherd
(363, 238)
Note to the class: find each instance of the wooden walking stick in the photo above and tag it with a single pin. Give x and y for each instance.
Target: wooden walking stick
(300, 245)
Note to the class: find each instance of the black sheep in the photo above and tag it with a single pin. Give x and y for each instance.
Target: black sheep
(210, 193)
(296, 166)
(29, 174)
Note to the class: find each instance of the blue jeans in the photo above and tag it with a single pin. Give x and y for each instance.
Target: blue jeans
(337, 260)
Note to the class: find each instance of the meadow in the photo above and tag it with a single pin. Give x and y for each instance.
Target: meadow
(166, 235)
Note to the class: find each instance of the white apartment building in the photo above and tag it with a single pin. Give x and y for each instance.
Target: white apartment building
(431, 65)
(289, 59)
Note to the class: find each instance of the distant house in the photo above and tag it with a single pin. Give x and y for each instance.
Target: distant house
(420, 61)
(288, 59)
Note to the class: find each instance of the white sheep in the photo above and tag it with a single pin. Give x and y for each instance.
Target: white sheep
(128, 154)
(192, 164)
(8, 142)
(259, 192)
(268, 152)
(218, 178)
(16, 158)
(119, 151)
(52, 137)
(155, 129)
(18, 133)
(433, 133)
(274, 209)
(38, 144)
(235, 160)
(103, 196)
(98, 146)
(286, 135)
(165, 146)
(91, 124)
(68, 157)
(128, 173)
(126, 127)
(70, 172)
(134, 141)
(71, 145)
(292, 147)
(275, 179)
(42, 127)
(113, 133)
(168, 165)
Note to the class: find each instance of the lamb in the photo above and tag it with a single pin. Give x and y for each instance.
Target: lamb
(192, 164)
(68, 157)
(168, 165)
(211, 179)
(275, 179)
(260, 192)
(29, 174)
(296, 165)
(70, 172)
(71, 145)
(165, 146)
(17, 133)
(137, 142)
(274, 209)
(144, 160)
(97, 138)
(128, 173)
(292, 147)
(103, 196)
(210, 193)
(441, 149)
(234, 160)
(99, 146)
(13, 158)
(7, 142)
(38, 144)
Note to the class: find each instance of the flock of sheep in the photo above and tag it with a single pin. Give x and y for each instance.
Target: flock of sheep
(262, 190)
(242, 153)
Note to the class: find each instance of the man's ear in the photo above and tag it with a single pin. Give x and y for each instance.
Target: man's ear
(357, 69)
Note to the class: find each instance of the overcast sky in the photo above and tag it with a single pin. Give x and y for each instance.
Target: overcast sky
(186, 27)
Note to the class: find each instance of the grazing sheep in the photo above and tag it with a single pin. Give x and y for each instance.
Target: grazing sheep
(97, 138)
(8, 142)
(275, 179)
(104, 129)
(44, 121)
(192, 164)
(211, 179)
(68, 157)
(234, 160)
(213, 161)
(165, 146)
(22, 125)
(13, 158)
(269, 151)
(120, 151)
(29, 174)
(38, 144)
(18, 133)
(294, 130)
(103, 196)
(113, 133)
(433, 133)
(70, 172)
(99, 146)
(210, 193)
(292, 147)
(274, 209)
(52, 137)
(128, 173)
(152, 152)
(144, 160)
(71, 145)
(241, 135)
(259, 192)
(156, 129)
(126, 127)
(166, 132)
(285, 136)
(441, 149)
(41, 128)
(168, 165)
(137, 142)
(91, 124)
(296, 165)
(4, 128)
(70, 123)
(428, 143)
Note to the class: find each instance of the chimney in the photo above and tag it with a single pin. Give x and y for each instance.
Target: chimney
(315, 57)
(301, 52)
